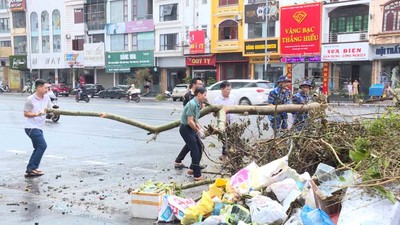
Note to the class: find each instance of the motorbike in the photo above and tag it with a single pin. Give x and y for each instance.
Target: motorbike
(82, 97)
(168, 94)
(135, 96)
(4, 88)
(54, 101)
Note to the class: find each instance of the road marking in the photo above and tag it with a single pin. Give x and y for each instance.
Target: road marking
(17, 151)
(96, 162)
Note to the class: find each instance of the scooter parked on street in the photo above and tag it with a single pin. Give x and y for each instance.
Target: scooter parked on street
(4, 88)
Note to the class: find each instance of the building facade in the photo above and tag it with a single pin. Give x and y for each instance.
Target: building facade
(384, 38)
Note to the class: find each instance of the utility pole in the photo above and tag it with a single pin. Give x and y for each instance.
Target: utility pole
(266, 58)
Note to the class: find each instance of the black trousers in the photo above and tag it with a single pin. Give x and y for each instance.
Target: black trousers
(192, 144)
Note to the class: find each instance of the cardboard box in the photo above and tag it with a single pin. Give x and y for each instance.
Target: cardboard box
(146, 204)
(330, 205)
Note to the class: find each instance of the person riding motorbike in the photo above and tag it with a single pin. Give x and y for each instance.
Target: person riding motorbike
(82, 91)
(132, 90)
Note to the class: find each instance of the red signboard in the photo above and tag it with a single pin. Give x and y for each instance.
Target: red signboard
(206, 60)
(301, 29)
(17, 5)
(197, 42)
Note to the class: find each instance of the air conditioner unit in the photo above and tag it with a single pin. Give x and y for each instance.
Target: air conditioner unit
(238, 17)
(363, 37)
(185, 43)
(67, 36)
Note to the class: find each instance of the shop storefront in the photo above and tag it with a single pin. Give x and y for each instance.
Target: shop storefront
(232, 66)
(300, 44)
(255, 51)
(348, 62)
(173, 71)
(94, 62)
(19, 73)
(203, 66)
(386, 64)
(50, 67)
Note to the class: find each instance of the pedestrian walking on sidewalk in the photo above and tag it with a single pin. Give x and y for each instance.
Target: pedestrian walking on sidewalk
(34, 111)
(191, 131)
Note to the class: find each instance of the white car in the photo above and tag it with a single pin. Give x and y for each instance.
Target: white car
(179, 91)
(246, 92)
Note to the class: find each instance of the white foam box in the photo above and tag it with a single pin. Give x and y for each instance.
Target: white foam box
(360, 208)
(146, 204)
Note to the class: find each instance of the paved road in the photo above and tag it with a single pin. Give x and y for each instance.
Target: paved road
(91, 162)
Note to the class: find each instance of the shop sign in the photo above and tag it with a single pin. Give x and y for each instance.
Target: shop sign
(121, 62)
(301, 29)
(139, 26)
(386, 52)
(261, 59)
(17, 5)
(258, 47)
(18, 62)
(93, 55)
(257, 12)
(197, 42)
(300, 59)
(345, 52)
(74, 60)
(47, 61)
(208, 60)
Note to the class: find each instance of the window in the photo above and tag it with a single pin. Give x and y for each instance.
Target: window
(349, 19)
(145, 41)
(5, 43)
(228, 30)
(78, 15)
(20, 45)
(204, 28)
(204, 2)
(56, 26)
(255, 30)
(228, 2)
(118, 11)
(45, 25)
(391, 16)
(95, 14)
(168, 12)
(96, 38)
(77, 43)
(3, 4)
(118, 42)
(4, 25)
(134, 42)
(168, 41)
(34, 33)
(19, 20)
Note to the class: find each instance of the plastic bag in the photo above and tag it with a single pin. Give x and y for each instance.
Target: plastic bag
(282, 188)
(240, 182)
(265, 175)
(235, 213)
(264, 210)
(313, 216)
(294, 219)
(165, 214)
(179, 205)
(203, 207)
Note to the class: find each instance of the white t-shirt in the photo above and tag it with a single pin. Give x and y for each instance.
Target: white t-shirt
(34, 104)
(220, 100)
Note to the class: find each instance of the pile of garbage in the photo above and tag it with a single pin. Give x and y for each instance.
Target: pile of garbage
(269, 194)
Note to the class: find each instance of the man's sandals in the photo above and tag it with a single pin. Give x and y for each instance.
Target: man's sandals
(34, 173)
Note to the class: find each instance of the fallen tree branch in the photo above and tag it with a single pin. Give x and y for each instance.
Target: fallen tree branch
(250, 110)
(195, 184)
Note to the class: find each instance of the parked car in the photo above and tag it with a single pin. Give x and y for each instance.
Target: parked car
(113, 92)
(92, 89)
(60, 89)
(246, 92)
(179, 91)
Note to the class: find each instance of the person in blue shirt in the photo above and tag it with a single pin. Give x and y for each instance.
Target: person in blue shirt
(302, 97)
(280, 96)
